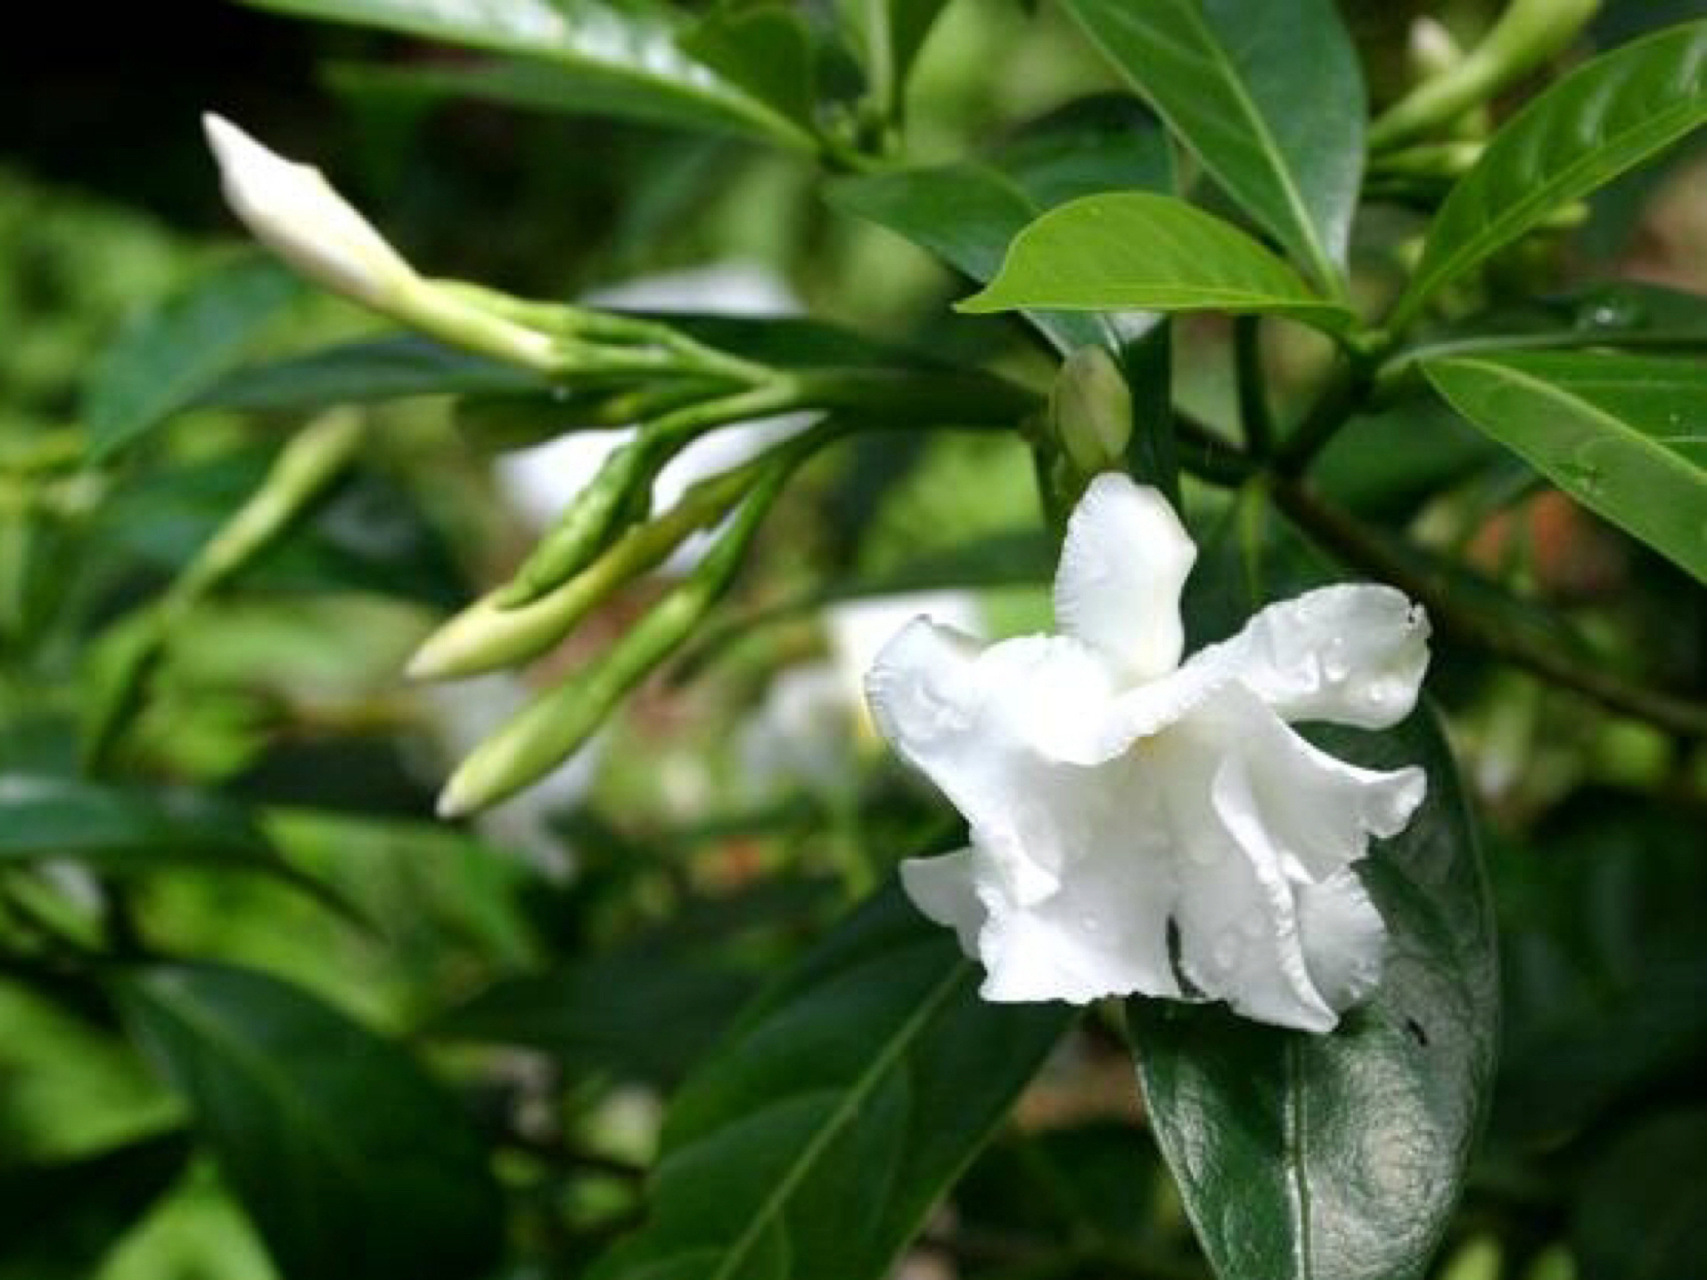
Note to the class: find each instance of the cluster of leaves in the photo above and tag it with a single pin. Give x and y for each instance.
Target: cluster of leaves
(835, 1087)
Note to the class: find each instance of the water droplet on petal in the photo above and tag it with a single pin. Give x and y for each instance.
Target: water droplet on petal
(1252, 925)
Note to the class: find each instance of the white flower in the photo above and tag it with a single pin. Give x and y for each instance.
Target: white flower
(1142, 826)
(296, 213)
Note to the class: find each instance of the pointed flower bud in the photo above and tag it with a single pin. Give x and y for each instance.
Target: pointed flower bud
(296, 213)
(1090, 410)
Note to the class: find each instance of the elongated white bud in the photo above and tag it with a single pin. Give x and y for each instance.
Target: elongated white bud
(296, 213)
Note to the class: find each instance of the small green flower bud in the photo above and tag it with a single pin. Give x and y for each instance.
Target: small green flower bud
(586, 527)
(550, 730)
(486, 635)
(1090, 412)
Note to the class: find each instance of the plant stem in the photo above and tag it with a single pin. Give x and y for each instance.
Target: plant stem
(1348, 538)
(1332, 410)
(1253, 402)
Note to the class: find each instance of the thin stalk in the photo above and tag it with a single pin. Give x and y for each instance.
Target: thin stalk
(1254, 412)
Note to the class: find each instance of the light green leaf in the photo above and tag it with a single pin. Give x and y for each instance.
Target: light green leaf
(350, 1160)
(602, 56)
(814, 1143)
(1624, 435)
(162, 363)
(1268, 95)
(1339, 1157)
(968, 213)
(1600, 120)
(1148, 252)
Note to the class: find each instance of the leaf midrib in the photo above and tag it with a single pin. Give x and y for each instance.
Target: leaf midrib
(771, 1207)
(1552, 391)
(1320, 263)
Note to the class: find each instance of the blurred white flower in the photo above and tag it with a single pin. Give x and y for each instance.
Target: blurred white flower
(296, 213)
(1142, 826)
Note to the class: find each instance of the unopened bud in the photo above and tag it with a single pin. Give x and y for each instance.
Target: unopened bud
(1090, 410)
(296, 213)
(546, 733)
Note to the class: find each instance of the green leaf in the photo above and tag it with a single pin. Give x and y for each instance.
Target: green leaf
(634, 1014)
(1339, 1157)
(60, 1220)
(816, 1140)
(764, 50)
(350, 1160)
(1267, 94)
(127, 832)
(968, 213)
(603, 56)
(161, 364)
(1621, 434)
(1602, 119)
(1603, 962)
(900, 25)
(1623, 314)
(373, 369)
(1148, 252)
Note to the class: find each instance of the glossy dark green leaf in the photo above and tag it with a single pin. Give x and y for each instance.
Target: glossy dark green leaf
(1620, 433)
(612, 57)
(1639, 1209)
(1094, 1183)
(1339, 1157)
(58, 1221)
(376, 369)
(164, 362)
(968, 213)
(1600, 120)
(349, 1159)
(762, 49)
(816, 1140)
(637, 1015)
(128, 832)
(1148, 252)
(1268, 95)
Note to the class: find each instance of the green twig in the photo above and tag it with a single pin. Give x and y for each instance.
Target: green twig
(1253, 401)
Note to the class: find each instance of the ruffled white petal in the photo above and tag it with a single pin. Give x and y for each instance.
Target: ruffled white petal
(968, 717)
(1239, 939)
(1344, 939)
(1123, 564)
(1350, 654)
(1103, 929)
(295, 212)
(1170, 835)
(941, 888)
